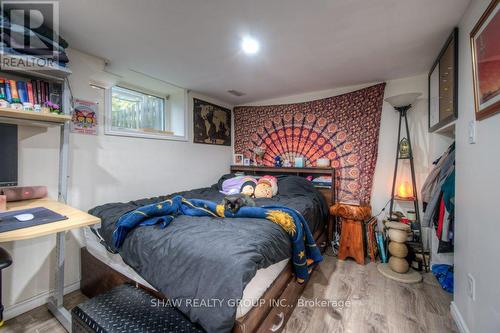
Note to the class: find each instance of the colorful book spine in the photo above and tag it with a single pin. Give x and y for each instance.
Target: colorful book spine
(47, 91)
(2, 89)
(35, 95)
(380, 241)
(3, 96)
(29, 87)
(22, 91)
(13, 91)
(44, 97)
(39, 92)
(8, 95)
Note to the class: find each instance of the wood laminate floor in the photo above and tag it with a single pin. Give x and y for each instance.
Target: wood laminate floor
(376, 304)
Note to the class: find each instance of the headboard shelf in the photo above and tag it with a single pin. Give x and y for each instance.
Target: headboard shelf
(328, 193)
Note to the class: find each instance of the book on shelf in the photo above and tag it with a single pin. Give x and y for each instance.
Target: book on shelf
(322, 186)
(32, 95)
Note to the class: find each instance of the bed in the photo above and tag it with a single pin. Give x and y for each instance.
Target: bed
(202, 258)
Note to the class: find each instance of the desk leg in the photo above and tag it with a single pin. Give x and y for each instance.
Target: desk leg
(55, 304)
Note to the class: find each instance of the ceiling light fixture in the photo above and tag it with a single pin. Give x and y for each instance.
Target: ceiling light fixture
(250, 45)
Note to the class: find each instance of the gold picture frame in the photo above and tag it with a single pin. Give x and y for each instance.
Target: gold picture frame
(485, 50)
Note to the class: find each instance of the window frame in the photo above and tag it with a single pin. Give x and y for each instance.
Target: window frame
(108, 127)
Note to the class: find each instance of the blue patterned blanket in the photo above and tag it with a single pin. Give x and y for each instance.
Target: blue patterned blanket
(304, 250)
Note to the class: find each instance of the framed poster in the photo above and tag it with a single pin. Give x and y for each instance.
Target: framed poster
(212, 123)
(443, 87)
(485, 44)
(434, 97)
(84, 117)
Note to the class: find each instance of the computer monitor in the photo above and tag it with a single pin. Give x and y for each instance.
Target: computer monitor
(8, 155)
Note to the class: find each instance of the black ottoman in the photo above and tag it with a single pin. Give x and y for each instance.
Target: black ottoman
(129, 309)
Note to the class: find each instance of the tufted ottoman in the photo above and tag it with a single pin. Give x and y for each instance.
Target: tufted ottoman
(129, 309)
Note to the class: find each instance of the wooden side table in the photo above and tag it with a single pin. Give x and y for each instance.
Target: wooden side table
(351, 237)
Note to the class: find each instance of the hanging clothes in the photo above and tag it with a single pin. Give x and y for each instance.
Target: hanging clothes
(446, 243)
(448, 190)
(432, 179)
(438, 195)
(431, 193)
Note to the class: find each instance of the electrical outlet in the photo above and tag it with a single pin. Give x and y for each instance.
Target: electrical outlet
(471, 287)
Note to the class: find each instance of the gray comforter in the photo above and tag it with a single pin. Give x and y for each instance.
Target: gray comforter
(202, 263)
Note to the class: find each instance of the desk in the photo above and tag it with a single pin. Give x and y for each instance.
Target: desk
(76, 219)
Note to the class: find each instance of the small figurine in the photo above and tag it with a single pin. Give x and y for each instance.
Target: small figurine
(404, 148)
(278, 163)
(287, 163)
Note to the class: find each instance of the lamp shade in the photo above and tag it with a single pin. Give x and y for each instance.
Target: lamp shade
(402, 100)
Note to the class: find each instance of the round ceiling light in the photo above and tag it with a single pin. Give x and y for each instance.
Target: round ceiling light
(250, 45)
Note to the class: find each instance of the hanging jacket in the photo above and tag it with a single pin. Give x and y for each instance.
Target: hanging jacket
(446, 168)
(432, 179)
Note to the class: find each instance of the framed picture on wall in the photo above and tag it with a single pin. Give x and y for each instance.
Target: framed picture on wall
(443, 87)
(485, 44)
(212, 123)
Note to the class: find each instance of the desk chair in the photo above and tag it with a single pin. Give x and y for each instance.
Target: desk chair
(5, 261)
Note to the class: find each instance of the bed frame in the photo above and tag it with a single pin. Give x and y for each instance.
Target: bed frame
(280, 298)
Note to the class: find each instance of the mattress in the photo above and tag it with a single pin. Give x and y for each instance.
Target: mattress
(251, 294)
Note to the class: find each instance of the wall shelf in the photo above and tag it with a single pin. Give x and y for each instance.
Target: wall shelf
(284, 170)
(31, 118)
(24, 117)
(52, 72)
(447, 130)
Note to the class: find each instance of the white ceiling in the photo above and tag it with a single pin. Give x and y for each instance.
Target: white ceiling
(306, 45)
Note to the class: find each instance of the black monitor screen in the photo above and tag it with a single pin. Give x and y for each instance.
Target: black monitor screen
(8, 155)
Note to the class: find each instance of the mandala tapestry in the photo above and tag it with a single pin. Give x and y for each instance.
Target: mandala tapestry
(344, 129)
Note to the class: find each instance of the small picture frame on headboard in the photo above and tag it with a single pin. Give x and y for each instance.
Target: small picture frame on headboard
(246, 161)
(238, 159)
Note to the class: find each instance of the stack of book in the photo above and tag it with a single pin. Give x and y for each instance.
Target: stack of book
(322, 182)
(33, 95)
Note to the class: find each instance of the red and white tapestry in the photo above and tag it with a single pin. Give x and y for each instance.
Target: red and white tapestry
(344, 129)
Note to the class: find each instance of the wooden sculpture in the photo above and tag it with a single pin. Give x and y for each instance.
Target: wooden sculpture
(351, 238)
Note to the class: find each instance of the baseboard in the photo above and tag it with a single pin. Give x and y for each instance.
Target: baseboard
(459, 320)
(35, 301)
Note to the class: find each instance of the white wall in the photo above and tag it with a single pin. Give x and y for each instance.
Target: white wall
(102, 169)
(388, 133)
(477, 247)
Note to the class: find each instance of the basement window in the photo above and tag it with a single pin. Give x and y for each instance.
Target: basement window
(136, 113)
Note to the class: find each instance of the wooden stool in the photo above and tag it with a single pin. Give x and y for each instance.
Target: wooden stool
(351, 237)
